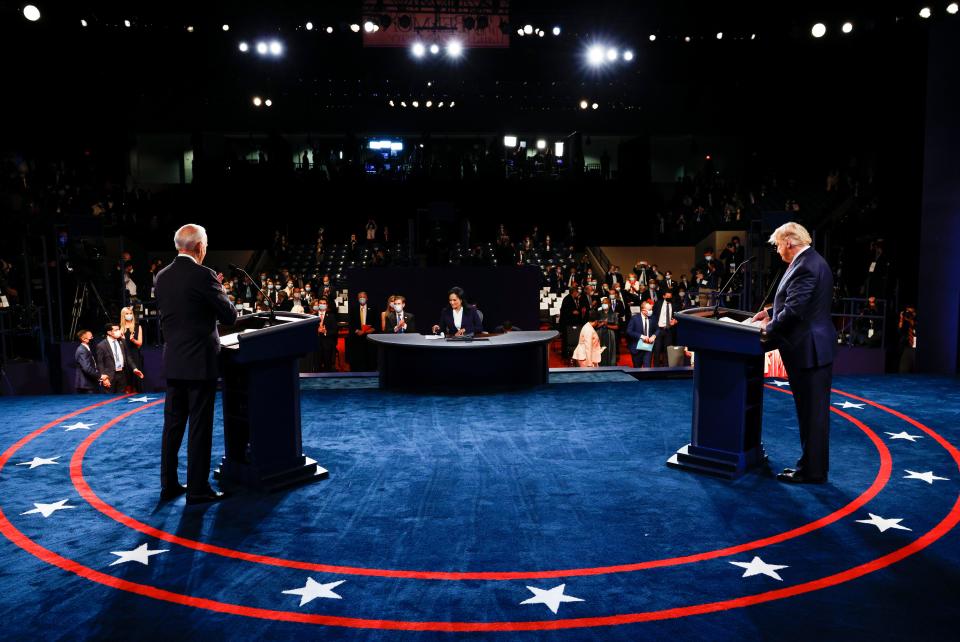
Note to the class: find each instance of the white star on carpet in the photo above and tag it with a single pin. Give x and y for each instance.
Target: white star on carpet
(780, 384)
(312, 590)
(79, 426)
(846, 404)
(927, 476)
(140, 554)
(40, 461)
(904, 435)
(551, 598)
(143, 399)
(49, 509)
(757, 566)
(884, 524)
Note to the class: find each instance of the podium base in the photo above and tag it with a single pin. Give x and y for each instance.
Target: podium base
(301, 471)
(729, 465)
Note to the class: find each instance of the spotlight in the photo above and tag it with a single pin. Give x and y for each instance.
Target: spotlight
(924, 13)
(628, 55)
(439, 104)
(257, 101)
(847, 27)
(83, 23)
(126, 23)
(225, 27)
(268, 102)
(541, 144)
(262, 48)
(952, 8)
(595, 55)
(753, 36)
(541, 33)
(392, 104)
(452, 104)
(355, 28)
(509, 141)
(329, 29)
(454, 48)
(429, 104)
(558, 149)
(244, 47)
(403, 103)
(653, 37)
(276, 48)
(719, 35)
(520, 31)
(415, 103)
(368, 26)
(31, 13)
(612, 54)
(584, 104)
(819, 30)
(528, 29)
(309, 26)
(418, 50)
(556, 31)
(189, 28)
(594, 106)
(434, 49)
(686, 39)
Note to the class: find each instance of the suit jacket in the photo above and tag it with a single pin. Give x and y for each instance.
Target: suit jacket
(635, 331)
(407, 316)
(567, 307)
(330, 323)
(470, 322)
(107, 363)
(800, 324)
(191, 301)
(373, 317)
(622, 310)
(658, 309)
(87, 376)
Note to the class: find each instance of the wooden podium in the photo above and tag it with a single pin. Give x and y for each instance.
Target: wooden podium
(727, 393)
(261, 401)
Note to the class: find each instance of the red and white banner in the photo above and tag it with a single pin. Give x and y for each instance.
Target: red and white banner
(474, 23)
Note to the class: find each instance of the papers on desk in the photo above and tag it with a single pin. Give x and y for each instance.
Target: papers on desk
(432, 336)
(280, 317)
(747, 322)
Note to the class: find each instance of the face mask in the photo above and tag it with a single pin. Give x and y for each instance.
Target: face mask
(398, 307)
(362, 301)
(269, 287)
(708, 257)
(322, 307)
(682, 294)
(263, 277)
(308, 288)
(605, 306)
(128, 317)
(316, 307)
(633, 278)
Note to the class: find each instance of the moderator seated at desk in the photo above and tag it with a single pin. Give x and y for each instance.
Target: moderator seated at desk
(458, 318)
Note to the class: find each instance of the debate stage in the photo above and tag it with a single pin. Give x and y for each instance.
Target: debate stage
(540, 514)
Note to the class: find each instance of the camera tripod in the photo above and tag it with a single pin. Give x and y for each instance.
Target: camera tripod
(79, 301)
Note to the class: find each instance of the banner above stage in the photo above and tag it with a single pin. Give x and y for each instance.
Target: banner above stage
(475, 23)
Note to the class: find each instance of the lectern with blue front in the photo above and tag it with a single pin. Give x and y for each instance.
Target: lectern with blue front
(261, 401)
(727, 392)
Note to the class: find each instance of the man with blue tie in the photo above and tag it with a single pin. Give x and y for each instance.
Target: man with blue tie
(114, 361)
(800, 326)
(642, 331)
(399, 321)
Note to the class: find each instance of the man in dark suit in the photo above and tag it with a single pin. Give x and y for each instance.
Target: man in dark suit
(114, 361)
(399, 321)
(191, 300)
(643, 328)
(799, 324)
(87, 377)
(573, 312)
(666, 328)
(326, 335)
(363, 320)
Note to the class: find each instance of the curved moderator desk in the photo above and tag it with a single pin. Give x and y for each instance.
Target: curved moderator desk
(413, 360)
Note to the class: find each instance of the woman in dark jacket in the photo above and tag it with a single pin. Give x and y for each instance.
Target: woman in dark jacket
(458, 318)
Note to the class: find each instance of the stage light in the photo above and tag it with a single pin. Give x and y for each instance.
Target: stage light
(584, 104)
(528, 29)
(244, 47)
(392, 104)
(818, 30)
(558, 149)
(452, 104)
(847, 27)
(83, 23)
(262, 48)
(595, 55)
(628, 55)
(276, 48)
(309, 26)
(355, 28)
(454, 48)
(429, 83)
(520, 31)
(510, 141)
(753, 36)
(541, 33)
(556, 31)
(189, 28)
(612, 54)
(686, 39)
(268, 102)
(925, 12)
(403, 103)
(952, 8)
(595, 106)
(434, 49)
(225, 27)
(329, 29)
(719, 35)
(368, 26)
(439, 104)
(415, 103)
(541, 144)
(429, 104)
(257, 101)
(708, 157)
(418, 50)
(653, 37)
(126, 23)
(31, 13)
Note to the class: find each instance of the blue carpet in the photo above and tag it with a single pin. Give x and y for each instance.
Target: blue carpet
(477, 498)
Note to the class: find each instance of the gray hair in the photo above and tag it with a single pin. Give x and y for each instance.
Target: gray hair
(189, 236)
(791, 231)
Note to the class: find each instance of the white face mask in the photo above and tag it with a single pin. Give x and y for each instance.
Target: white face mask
(128, 317)
(362, 301)
(322, 307)
(398, 307)
(605, 306)
(308, 288)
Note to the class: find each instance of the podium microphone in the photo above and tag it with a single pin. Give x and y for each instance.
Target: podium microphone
(716, 308)
(272, 318)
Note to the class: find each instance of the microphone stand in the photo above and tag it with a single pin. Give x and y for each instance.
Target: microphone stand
(272, 319)
(716, 308)
(769, 290)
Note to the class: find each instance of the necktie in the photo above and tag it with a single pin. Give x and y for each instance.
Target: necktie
(669, 314)
(400, 320)
(117, 361)
(646, 329)
(363, 315)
